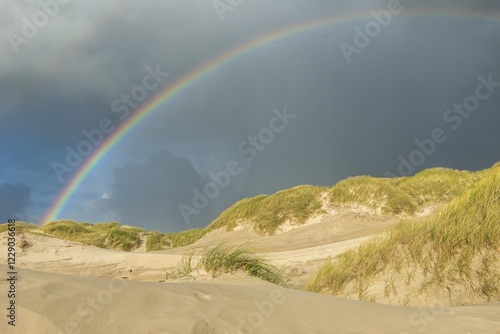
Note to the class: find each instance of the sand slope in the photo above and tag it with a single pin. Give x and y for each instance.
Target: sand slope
(301, 251)
(55, 303)
(66, 287)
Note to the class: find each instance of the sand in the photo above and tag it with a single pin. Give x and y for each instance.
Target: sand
(66, 287)
(56, 303)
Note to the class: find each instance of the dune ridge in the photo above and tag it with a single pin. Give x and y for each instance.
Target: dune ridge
(86, 278)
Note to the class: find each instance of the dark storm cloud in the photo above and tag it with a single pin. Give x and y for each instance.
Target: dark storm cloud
(355, 118)
(369, 112)
(14, 198)
(151, 193)
(57, 86)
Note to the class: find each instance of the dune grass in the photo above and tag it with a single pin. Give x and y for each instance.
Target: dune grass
(377, 194)
(187, 237)
(437, 185)
(403, 195)
(157, 241)
(103, 235)
(267, 213)
(20, 227)
(245, 209)
(456, 248)
(264, 213)
(398, 196)
(111, 235)
(160, 241)
(225, 258)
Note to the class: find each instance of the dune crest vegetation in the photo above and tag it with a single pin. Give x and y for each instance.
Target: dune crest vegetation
(451, 255)
(265, 214)
(226, 258)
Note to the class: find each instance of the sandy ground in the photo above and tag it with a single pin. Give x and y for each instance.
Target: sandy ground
(301, 250)
(55, 303)
(66, 287)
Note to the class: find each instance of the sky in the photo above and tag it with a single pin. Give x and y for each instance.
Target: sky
(386, 88)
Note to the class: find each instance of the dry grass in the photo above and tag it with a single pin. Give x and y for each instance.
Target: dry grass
(20, 227)
(377, 194)
(437, 185)
(267, 213)
(454, 249)
(403, 195)
(226, 258)
(110, 235)
(103, 235)
(159, 241)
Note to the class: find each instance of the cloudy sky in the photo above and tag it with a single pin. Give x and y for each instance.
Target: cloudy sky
(373, 94)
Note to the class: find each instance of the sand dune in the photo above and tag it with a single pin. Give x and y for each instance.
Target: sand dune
(55, 303)
(66, 287)
(302, 249)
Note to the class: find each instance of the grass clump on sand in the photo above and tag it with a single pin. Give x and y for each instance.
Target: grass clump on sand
(111, 235)
(184, 238)
(403, 195)
(267, 213)
(157, 241)
(160, 241)
(20, 227)
(225, 258)
(103, 235)
(437, 185)
(453, 253)
(375, 193)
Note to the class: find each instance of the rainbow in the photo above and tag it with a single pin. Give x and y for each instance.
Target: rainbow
(209, 68)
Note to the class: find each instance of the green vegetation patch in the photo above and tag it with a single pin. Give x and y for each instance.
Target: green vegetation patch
(403, 195)
(226, 258)
(184, 238)
(267, 213)
(375, 193)
(437, 184)
(457, 245)
(159, 241)
(20, 227)
(103, 235)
